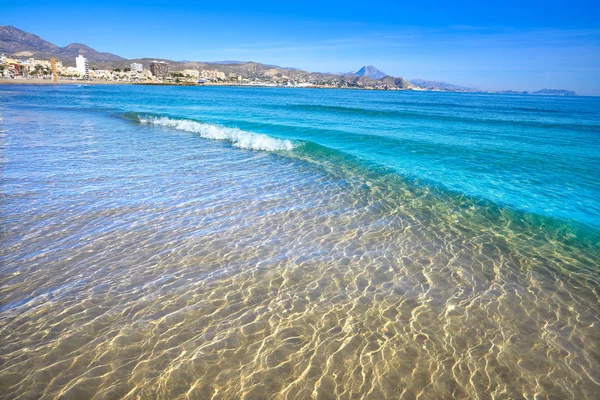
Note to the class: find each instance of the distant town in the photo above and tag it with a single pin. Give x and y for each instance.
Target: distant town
(157, 73)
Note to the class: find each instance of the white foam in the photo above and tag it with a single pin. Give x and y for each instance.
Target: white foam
(237, 137)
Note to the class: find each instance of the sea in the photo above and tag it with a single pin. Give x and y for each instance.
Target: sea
(283, 243)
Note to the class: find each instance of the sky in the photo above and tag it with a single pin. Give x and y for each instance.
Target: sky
(490, 45)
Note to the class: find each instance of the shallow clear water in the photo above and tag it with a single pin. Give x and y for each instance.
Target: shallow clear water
(285, 243)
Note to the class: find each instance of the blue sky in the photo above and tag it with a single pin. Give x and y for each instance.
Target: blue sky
(521, 45)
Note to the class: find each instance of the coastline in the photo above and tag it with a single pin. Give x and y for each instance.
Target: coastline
(45, 82)
(4, 81)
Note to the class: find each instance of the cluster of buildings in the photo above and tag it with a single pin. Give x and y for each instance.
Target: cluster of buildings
(204, 74)
(160, 69)
(158, 72)
(32, 68)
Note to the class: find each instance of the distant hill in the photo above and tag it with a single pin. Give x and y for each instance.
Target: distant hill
(19, 43)
(233, 62)
(440, 85)
(400, 83)
(509, 92)
(370, 72)
(543, 92)
(556, 92)
(74, 49)
(13, 40)
(227, 62)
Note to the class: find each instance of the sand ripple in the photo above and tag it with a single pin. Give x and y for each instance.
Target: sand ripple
(185, 271)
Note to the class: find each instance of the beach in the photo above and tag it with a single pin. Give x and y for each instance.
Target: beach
(224, 242)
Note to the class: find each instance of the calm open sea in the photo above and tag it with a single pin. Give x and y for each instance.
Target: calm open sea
(225, 243)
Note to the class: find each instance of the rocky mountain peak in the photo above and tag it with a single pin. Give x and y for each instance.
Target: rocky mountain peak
(370, 71)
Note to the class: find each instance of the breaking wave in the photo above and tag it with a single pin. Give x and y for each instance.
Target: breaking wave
(237, 137)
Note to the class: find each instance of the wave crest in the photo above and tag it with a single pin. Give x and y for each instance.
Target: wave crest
(237, 137)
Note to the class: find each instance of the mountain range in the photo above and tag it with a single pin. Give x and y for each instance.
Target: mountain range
(19, 43)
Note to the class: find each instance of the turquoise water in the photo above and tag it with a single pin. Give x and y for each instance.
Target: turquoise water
(198, 242)
(532, 153)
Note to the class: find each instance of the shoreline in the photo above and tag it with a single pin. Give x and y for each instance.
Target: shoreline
(214, 207)
(236, 84)
(42, 82)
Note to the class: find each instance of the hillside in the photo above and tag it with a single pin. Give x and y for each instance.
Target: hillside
(556, 92)
(19, 43)
(13, 40)
(439, 85)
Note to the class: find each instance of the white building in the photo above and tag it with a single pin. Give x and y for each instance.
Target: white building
(137, 67)
(82, 65)
(194, 73)
(212, 74)
(101, 74)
